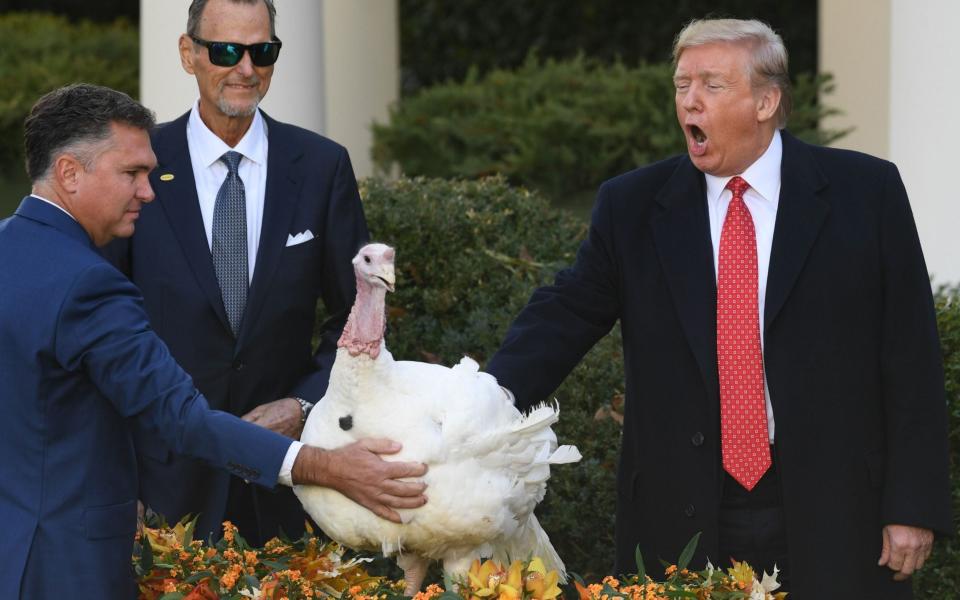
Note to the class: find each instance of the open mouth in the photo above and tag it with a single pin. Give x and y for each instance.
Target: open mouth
(698, 140)
(386, 283)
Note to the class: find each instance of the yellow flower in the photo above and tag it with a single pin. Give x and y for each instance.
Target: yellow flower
(510, 589)
(542, 585)
(484, 578)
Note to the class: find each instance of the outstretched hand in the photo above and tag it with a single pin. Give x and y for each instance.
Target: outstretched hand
(358, 472)
(905, 549)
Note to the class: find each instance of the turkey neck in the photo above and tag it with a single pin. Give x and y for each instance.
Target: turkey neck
(363, 333)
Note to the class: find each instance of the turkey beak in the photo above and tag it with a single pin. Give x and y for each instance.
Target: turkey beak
(387, 276)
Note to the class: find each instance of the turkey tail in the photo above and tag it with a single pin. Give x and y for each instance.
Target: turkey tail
(529, 541)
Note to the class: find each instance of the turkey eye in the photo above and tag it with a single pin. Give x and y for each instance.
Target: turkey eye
(366, 259)
(346, 423)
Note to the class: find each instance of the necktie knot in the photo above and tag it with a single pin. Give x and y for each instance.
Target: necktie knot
(738, 185)
(232, 160)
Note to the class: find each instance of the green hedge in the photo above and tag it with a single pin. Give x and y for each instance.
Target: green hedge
(557, 127)
(442, 40)
(40, 52)
(469, 253)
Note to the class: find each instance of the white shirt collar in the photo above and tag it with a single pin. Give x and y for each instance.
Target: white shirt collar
(210, 148)
(52, 203)
(763, 175)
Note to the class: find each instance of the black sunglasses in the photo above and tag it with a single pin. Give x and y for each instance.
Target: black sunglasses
(228, 54)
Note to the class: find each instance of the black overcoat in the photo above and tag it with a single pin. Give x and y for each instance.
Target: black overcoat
(851, 355)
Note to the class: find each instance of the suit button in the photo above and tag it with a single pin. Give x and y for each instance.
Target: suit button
(690, 510)
(237, 365)
(697, 439)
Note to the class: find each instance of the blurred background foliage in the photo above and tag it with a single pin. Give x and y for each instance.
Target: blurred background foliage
(41, 52)
(442, 40)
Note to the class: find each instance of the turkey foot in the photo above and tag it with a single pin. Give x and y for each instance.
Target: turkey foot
(414, 570)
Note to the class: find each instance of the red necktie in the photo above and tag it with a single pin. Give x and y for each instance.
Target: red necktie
(744, 437)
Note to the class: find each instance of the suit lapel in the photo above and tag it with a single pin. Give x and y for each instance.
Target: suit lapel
(178, 198)
(800, 215)
(280, 200)
(682, 237)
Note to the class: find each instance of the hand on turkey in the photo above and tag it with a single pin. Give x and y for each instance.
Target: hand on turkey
(283, 416)
(357, 471)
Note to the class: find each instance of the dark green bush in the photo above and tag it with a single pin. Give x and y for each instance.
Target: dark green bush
(469, 253)
(41, 52)
(441, 40)
(558, 127)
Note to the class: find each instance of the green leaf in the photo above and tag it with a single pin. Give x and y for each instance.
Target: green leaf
(188, 531)
(198, 576)
(146, 554)
(171, 596)
(641, 568)
(687, 553)
(252, 581)
(448, 595)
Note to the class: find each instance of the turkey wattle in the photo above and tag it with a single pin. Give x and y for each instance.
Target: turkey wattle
(488, 464)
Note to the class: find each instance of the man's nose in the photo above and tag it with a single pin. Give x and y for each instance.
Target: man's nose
(145, 191)
(245, 66)
(690, 100)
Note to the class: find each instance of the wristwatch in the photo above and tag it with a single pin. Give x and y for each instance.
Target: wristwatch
(304, 409)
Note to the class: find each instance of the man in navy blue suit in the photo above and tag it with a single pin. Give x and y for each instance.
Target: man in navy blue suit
(785, 394)
(302, 223)
(79, 363)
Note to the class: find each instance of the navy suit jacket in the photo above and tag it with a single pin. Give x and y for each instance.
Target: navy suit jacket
(79, 363)
(310, 186)
(851, 355)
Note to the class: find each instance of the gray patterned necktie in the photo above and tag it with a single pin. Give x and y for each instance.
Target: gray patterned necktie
(229, 247)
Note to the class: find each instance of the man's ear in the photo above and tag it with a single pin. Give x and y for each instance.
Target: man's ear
(768, 102)
(187, 55)
(66, 172)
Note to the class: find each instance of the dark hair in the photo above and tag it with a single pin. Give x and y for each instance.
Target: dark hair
(197, 6)
(76, 115)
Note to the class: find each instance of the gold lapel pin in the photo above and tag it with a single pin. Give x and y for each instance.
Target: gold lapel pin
(166, 177)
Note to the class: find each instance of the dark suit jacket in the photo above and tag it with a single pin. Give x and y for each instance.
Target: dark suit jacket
(310, 186)
(78, 362)
(851, 355)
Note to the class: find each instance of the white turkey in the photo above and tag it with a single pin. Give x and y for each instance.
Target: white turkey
(488, 464)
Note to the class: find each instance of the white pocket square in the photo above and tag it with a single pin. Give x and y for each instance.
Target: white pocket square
(304, 236)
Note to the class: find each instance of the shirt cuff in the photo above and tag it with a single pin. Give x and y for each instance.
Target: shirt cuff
(286, 469)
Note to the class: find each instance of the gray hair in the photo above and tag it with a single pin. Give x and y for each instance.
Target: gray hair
(196, 10)
(77, 119)
(769, 56)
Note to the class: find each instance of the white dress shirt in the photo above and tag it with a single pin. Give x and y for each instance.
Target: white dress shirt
(209, 172)
(762, 200)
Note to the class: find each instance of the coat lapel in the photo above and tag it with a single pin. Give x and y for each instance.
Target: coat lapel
(178, 198)
(280, 200)
(682, 237)
(800, 215)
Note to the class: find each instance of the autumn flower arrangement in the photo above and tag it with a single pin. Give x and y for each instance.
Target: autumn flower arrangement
(173, 566)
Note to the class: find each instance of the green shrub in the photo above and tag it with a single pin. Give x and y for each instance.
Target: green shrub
(469, 253)
(41, 52)
(558, 127)
(441, 40)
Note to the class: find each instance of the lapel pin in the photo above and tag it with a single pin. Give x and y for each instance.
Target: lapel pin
(166, 177)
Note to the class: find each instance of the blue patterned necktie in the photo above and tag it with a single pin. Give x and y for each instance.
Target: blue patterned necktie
(229, 247)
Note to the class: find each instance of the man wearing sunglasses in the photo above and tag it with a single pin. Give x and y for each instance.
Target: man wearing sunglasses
(254, 221)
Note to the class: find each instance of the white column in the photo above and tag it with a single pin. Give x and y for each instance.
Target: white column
(925, 124)
(338, 69)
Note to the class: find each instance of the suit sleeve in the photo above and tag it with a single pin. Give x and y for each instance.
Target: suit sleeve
(103, 331)
(561, 322)
(345, 233)
(916, 486)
